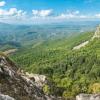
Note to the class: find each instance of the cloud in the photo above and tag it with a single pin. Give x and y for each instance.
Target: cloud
(35, 12)
(13, 15)
(42, 13)
(97, 15)
(2, 3)
(70, 14)
(76, 12)
(12, 12)
(66, 16)
(83, 16)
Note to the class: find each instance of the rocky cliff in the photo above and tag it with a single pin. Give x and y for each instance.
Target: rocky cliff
(15, 85)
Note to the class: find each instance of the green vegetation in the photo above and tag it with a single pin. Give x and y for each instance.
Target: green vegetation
(48, 50)
(70, 71)
(46, 89)
(47, 53)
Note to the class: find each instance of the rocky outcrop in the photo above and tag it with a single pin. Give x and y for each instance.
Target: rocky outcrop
(16, 84)
(96, 35)
(88, 97)
(39, 80)
(81, 45)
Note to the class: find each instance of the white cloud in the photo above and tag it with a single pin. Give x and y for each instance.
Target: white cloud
(66, 16)
(13, 15)
(45, 13)
(35, 12)
(97, 15)
(76, 12)
(42, 13)
(71, 14)
(2, 3)
(12, 12)
(83, 16)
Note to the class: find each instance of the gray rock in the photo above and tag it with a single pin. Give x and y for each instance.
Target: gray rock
(17, 84)
(5, 97)
(88, 97)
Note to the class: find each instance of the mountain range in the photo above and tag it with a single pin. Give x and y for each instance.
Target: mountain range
(48, 50)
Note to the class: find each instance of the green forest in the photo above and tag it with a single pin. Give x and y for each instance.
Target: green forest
(69, 71)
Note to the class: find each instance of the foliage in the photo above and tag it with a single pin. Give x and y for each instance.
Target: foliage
(71, 71)
(46, 89)
(95, 88)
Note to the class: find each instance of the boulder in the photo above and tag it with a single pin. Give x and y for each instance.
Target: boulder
(5, 97)
(88, 97)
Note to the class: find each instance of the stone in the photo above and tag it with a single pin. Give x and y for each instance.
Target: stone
(40, 80)
(88, 97)
(5, 97)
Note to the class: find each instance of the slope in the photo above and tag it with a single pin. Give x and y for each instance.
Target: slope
(15, 85)
(48, 52)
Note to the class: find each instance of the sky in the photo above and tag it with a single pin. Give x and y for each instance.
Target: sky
(48, 11)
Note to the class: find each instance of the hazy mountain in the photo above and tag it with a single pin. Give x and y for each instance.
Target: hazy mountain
(15, 36)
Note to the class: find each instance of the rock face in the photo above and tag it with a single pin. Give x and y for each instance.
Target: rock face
(97, 33)
(17, 85)
(88, 97)
(81, 45)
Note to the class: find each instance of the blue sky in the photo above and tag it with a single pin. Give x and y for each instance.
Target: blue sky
(42, 11)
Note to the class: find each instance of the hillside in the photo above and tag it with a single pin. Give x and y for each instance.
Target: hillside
(96, 35)
(19, 36)
(65, 68)
(16, 85)
(48, 52)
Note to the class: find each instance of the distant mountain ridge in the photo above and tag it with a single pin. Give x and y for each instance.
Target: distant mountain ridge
(30, 34)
